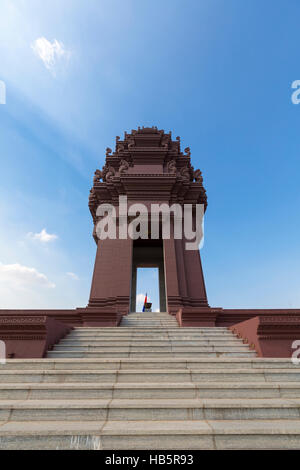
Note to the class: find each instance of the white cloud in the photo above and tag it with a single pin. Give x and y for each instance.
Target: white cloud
(43, 236)
(140, 298)
(51, 53)
(73, 276)
(18, 276)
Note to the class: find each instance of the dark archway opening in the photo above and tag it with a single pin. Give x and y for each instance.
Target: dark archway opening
(148, 254)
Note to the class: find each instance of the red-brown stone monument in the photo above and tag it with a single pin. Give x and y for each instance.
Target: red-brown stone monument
(148, 167)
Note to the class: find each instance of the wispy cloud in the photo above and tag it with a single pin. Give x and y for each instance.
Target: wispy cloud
(18, 276)
(43, 236)
(51, 53)
(73, 276)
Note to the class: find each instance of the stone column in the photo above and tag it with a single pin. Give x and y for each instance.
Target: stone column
(162, 288)
(171, 276)
(112, 275)
(133, 289)
(194, 278)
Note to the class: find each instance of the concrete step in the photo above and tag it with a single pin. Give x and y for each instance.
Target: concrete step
(138, 324)
(149, 325)
(211, 363)
(150, 314)
(122, 330)
(156, 332)
(150, 332)
(145, 321)
(119, 329)
(150, 375)
(150, 320)
(150, 409)
(182, 434)
(183, 390)
(171, 321)
(150, 337)
(74, 343)
(156, 346)
(144, 354)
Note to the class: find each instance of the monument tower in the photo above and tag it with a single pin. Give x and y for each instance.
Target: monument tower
(148, 167)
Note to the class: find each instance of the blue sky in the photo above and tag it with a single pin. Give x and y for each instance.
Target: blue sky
(216, 72)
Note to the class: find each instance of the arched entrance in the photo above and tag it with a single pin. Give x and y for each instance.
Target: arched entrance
(148, 254)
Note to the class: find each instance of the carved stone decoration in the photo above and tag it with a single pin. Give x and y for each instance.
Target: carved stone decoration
(92, 192)
(197, 176)
(131, 143)
(124, 165)
(187, 152)
(97, 176)
(108, 151)
(185, 173)
(109, 174)
(172, 167)
(165, 142)
(104, 172)
(120, 148)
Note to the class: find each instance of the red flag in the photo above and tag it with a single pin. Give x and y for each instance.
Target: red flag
(145, 301)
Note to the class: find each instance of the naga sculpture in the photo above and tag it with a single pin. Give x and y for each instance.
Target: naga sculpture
(97, 176)
(172, 167)
(185, 173)
(187, 151)
(197, 176)
(110, 172)
(124, 165)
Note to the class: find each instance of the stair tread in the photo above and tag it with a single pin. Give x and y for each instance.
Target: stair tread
(152, 371)
(255, 360)
(152, 385)
(101, 427)
(142, 403)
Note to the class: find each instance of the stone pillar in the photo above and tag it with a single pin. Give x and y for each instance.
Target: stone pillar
(172, 288)
(133, 289)
(162, 288)
(194, 279)
(112, 275)
(180, 259)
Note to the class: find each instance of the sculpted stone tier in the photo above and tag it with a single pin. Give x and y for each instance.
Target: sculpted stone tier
(147, 166)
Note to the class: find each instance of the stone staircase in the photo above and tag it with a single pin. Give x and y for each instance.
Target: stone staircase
(146, 335)
(150, 385)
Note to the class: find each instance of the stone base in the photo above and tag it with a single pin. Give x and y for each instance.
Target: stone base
(30, 336)
(270, 333)
(193, 316)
